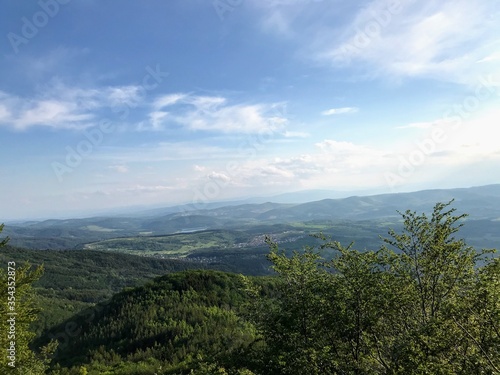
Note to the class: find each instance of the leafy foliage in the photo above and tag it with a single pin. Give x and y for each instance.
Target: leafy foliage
(428, 307)
(18, 311)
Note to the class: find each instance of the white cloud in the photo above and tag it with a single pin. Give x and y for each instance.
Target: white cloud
(295, 134)
(156, 119)
(206, 103)
(219, 176)
(447, 148)
(335, 163)
(474, 138)
(52, 113)
(339, 111)
(443, 40)
(214, 114)
(128, 95)
(419, 125)
(22, 113)
(199, 168)
(167, 100)
(119, 168)
(493, 57)
(348, 165)
(5, 114)
(63, 107)
(290, 18)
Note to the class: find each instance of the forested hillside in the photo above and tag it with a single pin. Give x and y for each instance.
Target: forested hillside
(73, 280)
(177, 323)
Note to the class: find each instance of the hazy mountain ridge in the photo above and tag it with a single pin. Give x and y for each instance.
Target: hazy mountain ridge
(479, 202)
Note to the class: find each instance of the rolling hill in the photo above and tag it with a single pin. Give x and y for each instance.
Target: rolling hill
(481, 203)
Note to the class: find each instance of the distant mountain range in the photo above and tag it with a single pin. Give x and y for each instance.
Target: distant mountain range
(481, 203)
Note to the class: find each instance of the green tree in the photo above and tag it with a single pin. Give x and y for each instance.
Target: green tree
(292, 322)
(425, 303)
(478, 320)
(436, 273)
(361, 288)
(18, 311)
(5, 240)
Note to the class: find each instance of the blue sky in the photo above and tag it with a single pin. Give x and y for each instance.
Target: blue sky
(128, 103)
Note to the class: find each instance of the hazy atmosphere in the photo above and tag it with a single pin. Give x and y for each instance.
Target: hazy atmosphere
(113, 104)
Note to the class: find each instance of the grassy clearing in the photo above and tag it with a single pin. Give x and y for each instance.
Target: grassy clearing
(181, 244)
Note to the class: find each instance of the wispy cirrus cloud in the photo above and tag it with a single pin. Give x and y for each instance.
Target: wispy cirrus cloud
(447, 40)
(23, 113)
(291, 18)
(62, 107)
(339, 111)
(167, 100)
(213, 114)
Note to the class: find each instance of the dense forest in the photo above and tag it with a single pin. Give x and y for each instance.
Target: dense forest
(424, 303)
(72, 282)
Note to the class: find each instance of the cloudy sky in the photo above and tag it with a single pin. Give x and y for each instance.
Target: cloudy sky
(108, 104)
